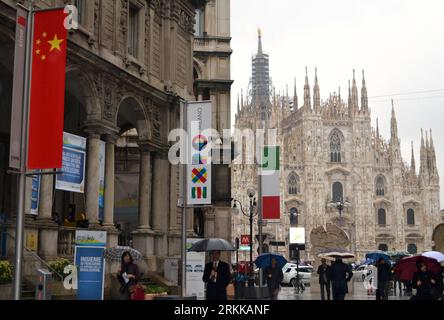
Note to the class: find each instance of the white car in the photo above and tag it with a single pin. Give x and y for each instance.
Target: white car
(362, 271)
(290, 273)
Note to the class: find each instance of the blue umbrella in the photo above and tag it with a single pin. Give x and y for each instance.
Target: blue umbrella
(264, 260)
(377, 255)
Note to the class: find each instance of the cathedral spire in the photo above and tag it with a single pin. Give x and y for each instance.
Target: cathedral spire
(350, 104)
(295, 97)
(377, 128)
(316, 93)
(364, 96)
(238, 105)
(394, 125)
(259, 41)
(307, 99)
(242, 98)
(432, 155)
(355, 103)
(412, 162)
(339, 94)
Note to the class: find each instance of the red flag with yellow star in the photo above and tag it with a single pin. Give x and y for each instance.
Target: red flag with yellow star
(47, 101)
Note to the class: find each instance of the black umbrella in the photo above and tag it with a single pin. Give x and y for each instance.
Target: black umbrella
(212, 244)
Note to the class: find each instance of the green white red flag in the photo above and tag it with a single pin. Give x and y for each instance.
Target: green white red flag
(270, 184)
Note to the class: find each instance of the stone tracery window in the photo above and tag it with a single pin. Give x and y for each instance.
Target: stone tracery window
(335, 146)
(337, 192)
(410, 217)
(382, 219)
(380, 186)
(293, 184)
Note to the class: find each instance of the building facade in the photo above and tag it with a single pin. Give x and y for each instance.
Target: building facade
(129, 65)
(330, 153)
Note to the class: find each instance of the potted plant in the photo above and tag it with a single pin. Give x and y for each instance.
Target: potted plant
(6, 273)
(59, 267)
(153, 291)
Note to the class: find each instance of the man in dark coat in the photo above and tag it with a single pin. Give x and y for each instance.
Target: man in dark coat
(383, 276)
(424, 283)
(217, 277)
(324, 279)
(340, 274)
(274, 277)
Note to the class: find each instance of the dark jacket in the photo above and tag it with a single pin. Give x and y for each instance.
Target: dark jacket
(384, 273)
(340, 274)
(276, 277)
(217, 289)
(130, 268)
(324, 270)
(426, 290)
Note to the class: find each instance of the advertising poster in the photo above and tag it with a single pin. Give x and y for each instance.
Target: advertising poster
(102, 147)
(199, 153)
(90, 263)
(35, 195)
(297, 235)
(74, 156)
(195, 268)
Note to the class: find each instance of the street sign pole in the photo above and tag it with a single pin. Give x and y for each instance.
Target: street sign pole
(23, 157)
(183, 188)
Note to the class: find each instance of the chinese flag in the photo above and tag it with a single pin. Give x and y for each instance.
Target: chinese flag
(46, 115)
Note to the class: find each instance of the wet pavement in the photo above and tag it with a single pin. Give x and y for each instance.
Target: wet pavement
(359, 293)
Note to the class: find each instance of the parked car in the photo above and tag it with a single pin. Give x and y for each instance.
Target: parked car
(361, 272)
(290, 273)
(198, 268)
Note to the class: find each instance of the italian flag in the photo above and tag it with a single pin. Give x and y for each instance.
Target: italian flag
(269, 172)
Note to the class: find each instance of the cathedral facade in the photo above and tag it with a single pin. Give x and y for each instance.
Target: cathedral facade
(331, 155)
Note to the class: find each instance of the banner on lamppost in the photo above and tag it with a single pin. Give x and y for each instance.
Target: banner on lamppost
(270, 183)
(199, 115)
(74, 154)
(47, 91)
(102, 148)
(18, 87)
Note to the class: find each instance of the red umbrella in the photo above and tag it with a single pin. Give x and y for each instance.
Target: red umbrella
(406, 267)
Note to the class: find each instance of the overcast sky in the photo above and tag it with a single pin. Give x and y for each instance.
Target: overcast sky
(399, 43)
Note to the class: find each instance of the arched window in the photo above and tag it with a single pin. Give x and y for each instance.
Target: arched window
(381, 217)
(380, 186)
(293, 184)
(294, 217)
(337, 192)
(410, 217)
(383, 247)
(412, 248)
(335, 147)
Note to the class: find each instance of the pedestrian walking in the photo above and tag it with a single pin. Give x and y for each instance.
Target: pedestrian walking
(397, 283)
(274, 277)
(217, 277)
(340, 275)
(383, 280)
(324, 279)
(424, 283)
(128, 276)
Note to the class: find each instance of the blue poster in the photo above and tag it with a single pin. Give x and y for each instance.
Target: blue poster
(35, 195)
(90, 272)
(74, 154)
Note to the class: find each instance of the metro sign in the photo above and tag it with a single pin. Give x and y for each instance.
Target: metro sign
(245, 240)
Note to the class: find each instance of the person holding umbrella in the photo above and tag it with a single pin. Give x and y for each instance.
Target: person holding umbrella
(324, 278)
(274, 276)
(217, 277)
(341, 273)
(383, 279)
(424, 282)
(128, 276)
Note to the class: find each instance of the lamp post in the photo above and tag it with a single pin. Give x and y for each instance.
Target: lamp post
(340, 205)
(252, 212)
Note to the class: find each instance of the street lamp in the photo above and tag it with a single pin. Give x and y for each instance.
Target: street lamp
(252, 212)
(340, 205)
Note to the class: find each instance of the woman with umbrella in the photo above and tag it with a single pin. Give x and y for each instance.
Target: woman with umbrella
(424, 282)
(128, 276)
(274, 278)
